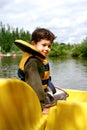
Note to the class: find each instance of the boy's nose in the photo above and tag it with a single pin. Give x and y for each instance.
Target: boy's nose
(46, 48)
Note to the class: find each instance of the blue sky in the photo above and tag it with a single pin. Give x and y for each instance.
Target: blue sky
(67, 19)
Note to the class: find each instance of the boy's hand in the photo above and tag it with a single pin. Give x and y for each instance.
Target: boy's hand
(46, 110)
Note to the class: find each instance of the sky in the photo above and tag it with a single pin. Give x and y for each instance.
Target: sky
(67, 19)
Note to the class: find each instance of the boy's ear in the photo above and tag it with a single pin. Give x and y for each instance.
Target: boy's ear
(32, 42)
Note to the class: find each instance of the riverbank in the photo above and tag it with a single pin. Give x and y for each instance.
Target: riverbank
(10, 54)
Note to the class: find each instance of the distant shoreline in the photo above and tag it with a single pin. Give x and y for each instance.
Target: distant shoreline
(10, 54)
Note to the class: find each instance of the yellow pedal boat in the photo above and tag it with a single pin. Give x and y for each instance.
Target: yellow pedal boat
(20, 109)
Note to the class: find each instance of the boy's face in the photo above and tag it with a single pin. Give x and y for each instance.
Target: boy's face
(43, 46)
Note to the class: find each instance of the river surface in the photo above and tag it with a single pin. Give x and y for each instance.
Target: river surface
(66, 72)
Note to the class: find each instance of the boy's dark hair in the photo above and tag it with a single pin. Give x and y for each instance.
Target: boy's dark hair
(42, 33)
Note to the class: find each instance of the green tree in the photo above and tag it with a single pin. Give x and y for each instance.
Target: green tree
(84, 48)
(76, 50)
(54, 50)
(8, 35)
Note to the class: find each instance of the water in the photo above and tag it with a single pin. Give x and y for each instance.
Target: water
(9, 66)
(69, 73)
(66, 72)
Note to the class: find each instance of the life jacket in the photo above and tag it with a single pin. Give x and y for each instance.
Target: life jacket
(31, 51)
(24, 59)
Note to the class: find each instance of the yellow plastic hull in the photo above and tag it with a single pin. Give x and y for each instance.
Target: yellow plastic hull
(20, 109)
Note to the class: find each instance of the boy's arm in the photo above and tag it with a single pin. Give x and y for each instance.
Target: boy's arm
(34, 71)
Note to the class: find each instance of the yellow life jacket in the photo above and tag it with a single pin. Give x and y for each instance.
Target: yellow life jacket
(29, 51)
(46, 76)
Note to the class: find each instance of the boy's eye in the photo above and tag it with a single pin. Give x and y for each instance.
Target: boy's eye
(44, 45)
(49, 46)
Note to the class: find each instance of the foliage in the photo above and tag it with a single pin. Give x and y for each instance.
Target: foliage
(54, 50)
(84, 48)
(76, 50)
(59, 50)
(80, 50)
(8, 36)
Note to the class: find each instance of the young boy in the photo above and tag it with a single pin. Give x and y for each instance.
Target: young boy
(35, 69)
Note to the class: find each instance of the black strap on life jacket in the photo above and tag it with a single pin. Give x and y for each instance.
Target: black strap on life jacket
(21, 74)
(51, 86)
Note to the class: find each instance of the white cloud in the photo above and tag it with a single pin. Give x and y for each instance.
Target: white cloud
(66, 18)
